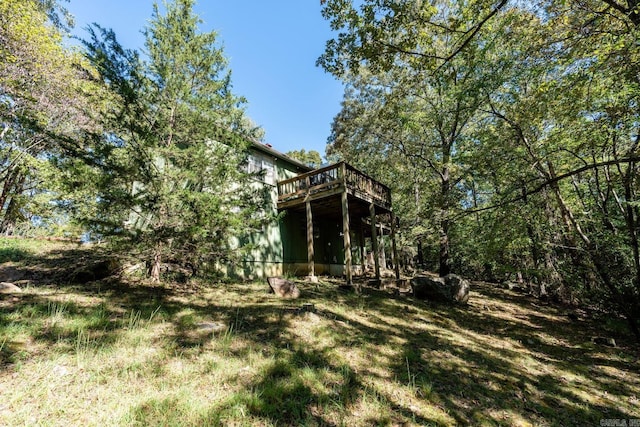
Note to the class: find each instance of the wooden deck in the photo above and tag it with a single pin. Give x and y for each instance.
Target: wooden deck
(339, 190)
(330, 181)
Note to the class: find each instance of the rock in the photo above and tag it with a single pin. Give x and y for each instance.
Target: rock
(425, 287)
(283, 288)
(311, 279)
(211, 327)
(60, 371)
(312, 317)
(9, 288)
(460, 288)
(451, 288)
(610, 342)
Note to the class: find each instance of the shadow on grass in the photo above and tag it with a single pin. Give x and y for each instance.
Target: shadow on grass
(502, 360)
(287, 392)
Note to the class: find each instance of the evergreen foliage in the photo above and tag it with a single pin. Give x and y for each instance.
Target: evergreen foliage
(168, 169)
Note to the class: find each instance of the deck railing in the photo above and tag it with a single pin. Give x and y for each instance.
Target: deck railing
(339, 175)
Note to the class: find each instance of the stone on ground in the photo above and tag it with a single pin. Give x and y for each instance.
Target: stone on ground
(283, 288)
(9, 288)
(451, 288)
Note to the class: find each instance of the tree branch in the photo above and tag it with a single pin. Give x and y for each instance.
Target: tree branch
(550, 182)
(469, 33)
(472, 33)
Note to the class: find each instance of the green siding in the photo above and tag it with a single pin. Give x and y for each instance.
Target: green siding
(281, 246)
(267, 256)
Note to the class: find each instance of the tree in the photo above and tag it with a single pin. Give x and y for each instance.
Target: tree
(45, 103)
(168, 173)
(526, 116)
(424, 85)
(572, 114)
(311, 158)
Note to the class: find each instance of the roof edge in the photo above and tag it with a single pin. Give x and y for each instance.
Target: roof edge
(271, 151)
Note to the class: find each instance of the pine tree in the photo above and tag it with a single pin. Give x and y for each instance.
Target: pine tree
(170, 183)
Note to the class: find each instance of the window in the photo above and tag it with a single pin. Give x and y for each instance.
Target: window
(269, 169)
(263, 167)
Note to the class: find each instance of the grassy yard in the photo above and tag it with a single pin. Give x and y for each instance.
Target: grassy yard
(124, 352)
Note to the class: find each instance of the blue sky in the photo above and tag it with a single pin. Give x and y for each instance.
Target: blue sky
(272, 48)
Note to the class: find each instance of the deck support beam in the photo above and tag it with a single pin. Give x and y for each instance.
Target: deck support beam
(363, 250)
(310, 253)
(394, 248)
(374, 240)
(382, 248)
(347, 237)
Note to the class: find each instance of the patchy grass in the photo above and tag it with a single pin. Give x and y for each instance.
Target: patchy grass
(115, 352)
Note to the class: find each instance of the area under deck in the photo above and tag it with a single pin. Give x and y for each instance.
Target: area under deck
(340, 192)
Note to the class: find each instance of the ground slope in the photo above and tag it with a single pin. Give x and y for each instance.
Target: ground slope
(124, 352)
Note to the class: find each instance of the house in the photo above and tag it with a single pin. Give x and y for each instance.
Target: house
(332, 220)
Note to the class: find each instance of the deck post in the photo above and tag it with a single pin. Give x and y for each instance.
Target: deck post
(382, 248)
(394, 248)
(310, 254)
(363, 251)
(374, 239)
(347, 235)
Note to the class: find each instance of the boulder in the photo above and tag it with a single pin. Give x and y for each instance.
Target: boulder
(425, 287)
(451, 288)
(9, 288)
(283, 288)
(459, 288)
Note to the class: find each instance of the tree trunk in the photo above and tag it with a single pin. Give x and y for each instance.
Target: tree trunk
(420, 255)
(444, 266)
(154, 271)
(601, 269)
(8, 224)
(8, 189)
(536, 258)
(12, 213)
(632, 223)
